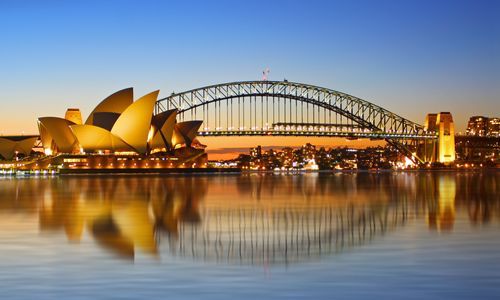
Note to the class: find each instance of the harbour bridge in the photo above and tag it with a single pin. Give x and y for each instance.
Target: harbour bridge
(283, 108)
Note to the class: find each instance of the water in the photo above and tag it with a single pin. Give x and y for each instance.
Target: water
(316, 236)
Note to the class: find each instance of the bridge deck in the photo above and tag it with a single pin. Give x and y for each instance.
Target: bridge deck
(371, 135)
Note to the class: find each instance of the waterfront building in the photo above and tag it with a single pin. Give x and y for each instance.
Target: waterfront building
(478, 150)
(481, 143)
(256, 152)
(119, 133)
(117, 125)
(477, 125)
(483, 126)
(310, 157)
(494, 127)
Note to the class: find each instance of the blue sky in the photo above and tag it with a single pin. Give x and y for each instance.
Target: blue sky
(411, 57)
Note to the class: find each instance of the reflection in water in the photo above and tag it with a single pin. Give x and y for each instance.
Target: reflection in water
(442, 215)
(108, 234)
(256, 219)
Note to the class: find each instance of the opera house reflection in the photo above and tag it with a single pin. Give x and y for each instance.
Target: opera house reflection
(247, 219)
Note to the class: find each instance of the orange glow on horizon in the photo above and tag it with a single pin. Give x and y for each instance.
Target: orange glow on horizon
(222, 148)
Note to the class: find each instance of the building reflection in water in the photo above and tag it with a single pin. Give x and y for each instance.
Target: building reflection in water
(254, 219)
(441, 214)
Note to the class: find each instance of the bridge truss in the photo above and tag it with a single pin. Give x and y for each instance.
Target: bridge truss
(282, 108)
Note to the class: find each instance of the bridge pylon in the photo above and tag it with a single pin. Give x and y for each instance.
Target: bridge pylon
(442, 149)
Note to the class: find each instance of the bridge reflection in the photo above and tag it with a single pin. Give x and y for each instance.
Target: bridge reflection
(248, 219)
(282, 234)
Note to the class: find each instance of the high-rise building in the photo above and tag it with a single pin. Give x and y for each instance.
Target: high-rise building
(256, 152)
(483, 126)
(494, 127)
(478, 125)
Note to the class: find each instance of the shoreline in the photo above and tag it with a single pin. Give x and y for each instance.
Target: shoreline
(66, 172)
(216, 171)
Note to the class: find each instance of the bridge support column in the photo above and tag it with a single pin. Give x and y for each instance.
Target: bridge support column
(441, 150)
(446, 138)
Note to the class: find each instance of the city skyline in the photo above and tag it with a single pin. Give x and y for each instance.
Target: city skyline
(400, 56)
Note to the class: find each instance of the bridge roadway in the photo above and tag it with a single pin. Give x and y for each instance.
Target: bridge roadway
(316, 133)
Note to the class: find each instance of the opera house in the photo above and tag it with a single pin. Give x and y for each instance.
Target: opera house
(119, 133)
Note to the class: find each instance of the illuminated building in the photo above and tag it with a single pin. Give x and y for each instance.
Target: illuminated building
(309, 157)
(478, 150)
(483, 126)
(481, 144)
(56, 135)
(494, 127)
(256, 152)
(119, 126)
(117, 130)
(478, 125)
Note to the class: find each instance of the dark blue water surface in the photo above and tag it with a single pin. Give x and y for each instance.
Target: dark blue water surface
(421, 235)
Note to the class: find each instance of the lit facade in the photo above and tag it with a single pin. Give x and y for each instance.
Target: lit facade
(442, 150)
(446, 127)
(118, 124)
(494, 127)
(121, 134)
(483, 126)
(74, 115)
(477, 125)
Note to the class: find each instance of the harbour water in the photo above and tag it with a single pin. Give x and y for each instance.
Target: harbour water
(414, 235)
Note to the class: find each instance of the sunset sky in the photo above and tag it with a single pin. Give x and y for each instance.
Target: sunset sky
(410, 57)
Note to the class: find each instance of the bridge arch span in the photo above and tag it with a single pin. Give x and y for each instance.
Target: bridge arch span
(290, 108)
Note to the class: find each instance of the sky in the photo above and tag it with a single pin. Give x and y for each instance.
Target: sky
(410, 57)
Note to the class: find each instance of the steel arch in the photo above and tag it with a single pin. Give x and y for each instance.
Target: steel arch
(373, 120)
